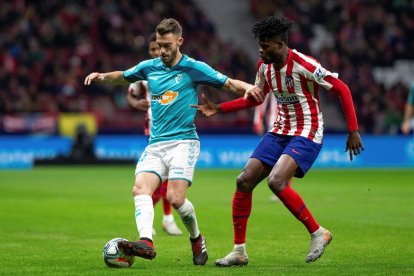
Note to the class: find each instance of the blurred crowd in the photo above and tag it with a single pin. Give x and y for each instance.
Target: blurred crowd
(48, 47)
(359, 35)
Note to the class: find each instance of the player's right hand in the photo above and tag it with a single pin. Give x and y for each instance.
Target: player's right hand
(208, 109)
(138, 104)
(256, 93)
(95, 76)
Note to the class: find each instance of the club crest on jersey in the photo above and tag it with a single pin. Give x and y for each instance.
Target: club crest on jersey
(319, 73)
(289, 81)
(178, 78)
(167, 98)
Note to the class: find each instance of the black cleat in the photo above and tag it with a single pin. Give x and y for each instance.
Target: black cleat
(198, 245)
(142, 248)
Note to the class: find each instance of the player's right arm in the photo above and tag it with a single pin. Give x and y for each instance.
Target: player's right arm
(115, 77)
(131, 75)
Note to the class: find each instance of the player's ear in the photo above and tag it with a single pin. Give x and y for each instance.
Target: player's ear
(180, 40)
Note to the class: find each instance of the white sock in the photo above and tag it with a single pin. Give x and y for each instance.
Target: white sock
(318, 232)
(240, 247)
(188, 216)
(144, 215)
(167, 218)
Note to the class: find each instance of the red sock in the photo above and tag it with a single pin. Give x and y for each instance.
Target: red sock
(155, 197)
(241, 208)
(297, 207)
(167, 206)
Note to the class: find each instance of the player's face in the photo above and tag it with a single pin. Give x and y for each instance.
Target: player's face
(271, 50)
(153, 49)
(169, 45)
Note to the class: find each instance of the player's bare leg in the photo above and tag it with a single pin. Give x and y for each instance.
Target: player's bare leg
(254, 172)
(285, 168)
(168, 222)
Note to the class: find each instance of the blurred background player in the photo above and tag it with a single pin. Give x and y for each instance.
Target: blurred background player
(138, 97)
(408, 122)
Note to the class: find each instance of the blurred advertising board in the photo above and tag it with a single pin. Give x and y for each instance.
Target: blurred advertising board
(20, 151)
(217, 151)
(232, 151)
(45, 123)
(70, 122)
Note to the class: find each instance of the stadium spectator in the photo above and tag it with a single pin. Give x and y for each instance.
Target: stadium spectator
(293, 144)
(173, 147)
(138, 97)
(46, 46)
(408, 122)
(377, 40)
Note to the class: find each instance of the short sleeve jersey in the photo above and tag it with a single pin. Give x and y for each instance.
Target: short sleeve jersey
(172, 90)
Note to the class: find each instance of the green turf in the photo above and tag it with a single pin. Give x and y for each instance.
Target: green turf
(55, 220)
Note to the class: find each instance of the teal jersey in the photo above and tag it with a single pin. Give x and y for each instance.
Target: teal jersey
(410, 98)
(172, 91)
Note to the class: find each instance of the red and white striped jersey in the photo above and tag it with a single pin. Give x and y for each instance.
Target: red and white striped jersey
(295, 87)
(265, 115)
(141, 89)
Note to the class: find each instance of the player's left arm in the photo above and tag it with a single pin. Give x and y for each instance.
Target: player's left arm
(208, 108)
(241, 87)
(354, 141)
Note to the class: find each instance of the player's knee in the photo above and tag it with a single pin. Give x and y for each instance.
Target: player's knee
(277, 183)
(176, 201)
(244, 183)
(135, 190)
(140, 190)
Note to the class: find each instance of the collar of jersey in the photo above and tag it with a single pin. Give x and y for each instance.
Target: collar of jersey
(178, 63)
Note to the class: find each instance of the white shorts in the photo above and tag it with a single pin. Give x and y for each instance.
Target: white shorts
(170, 159)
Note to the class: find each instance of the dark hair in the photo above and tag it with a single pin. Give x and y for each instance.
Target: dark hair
(272, 27)
(152, 38)
(169, 25)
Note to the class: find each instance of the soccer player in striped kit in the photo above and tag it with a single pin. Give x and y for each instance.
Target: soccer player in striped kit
(290, 148)
(138, 97)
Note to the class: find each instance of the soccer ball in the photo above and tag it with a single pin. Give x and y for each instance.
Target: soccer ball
(113, 257)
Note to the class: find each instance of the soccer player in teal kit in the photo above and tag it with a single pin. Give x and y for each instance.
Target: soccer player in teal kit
(173, 148)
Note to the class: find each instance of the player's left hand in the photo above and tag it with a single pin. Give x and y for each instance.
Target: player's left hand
(256, 93)
(354, 144)
(208, 109)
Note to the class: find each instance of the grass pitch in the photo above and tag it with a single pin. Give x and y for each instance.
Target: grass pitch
(56, 220)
